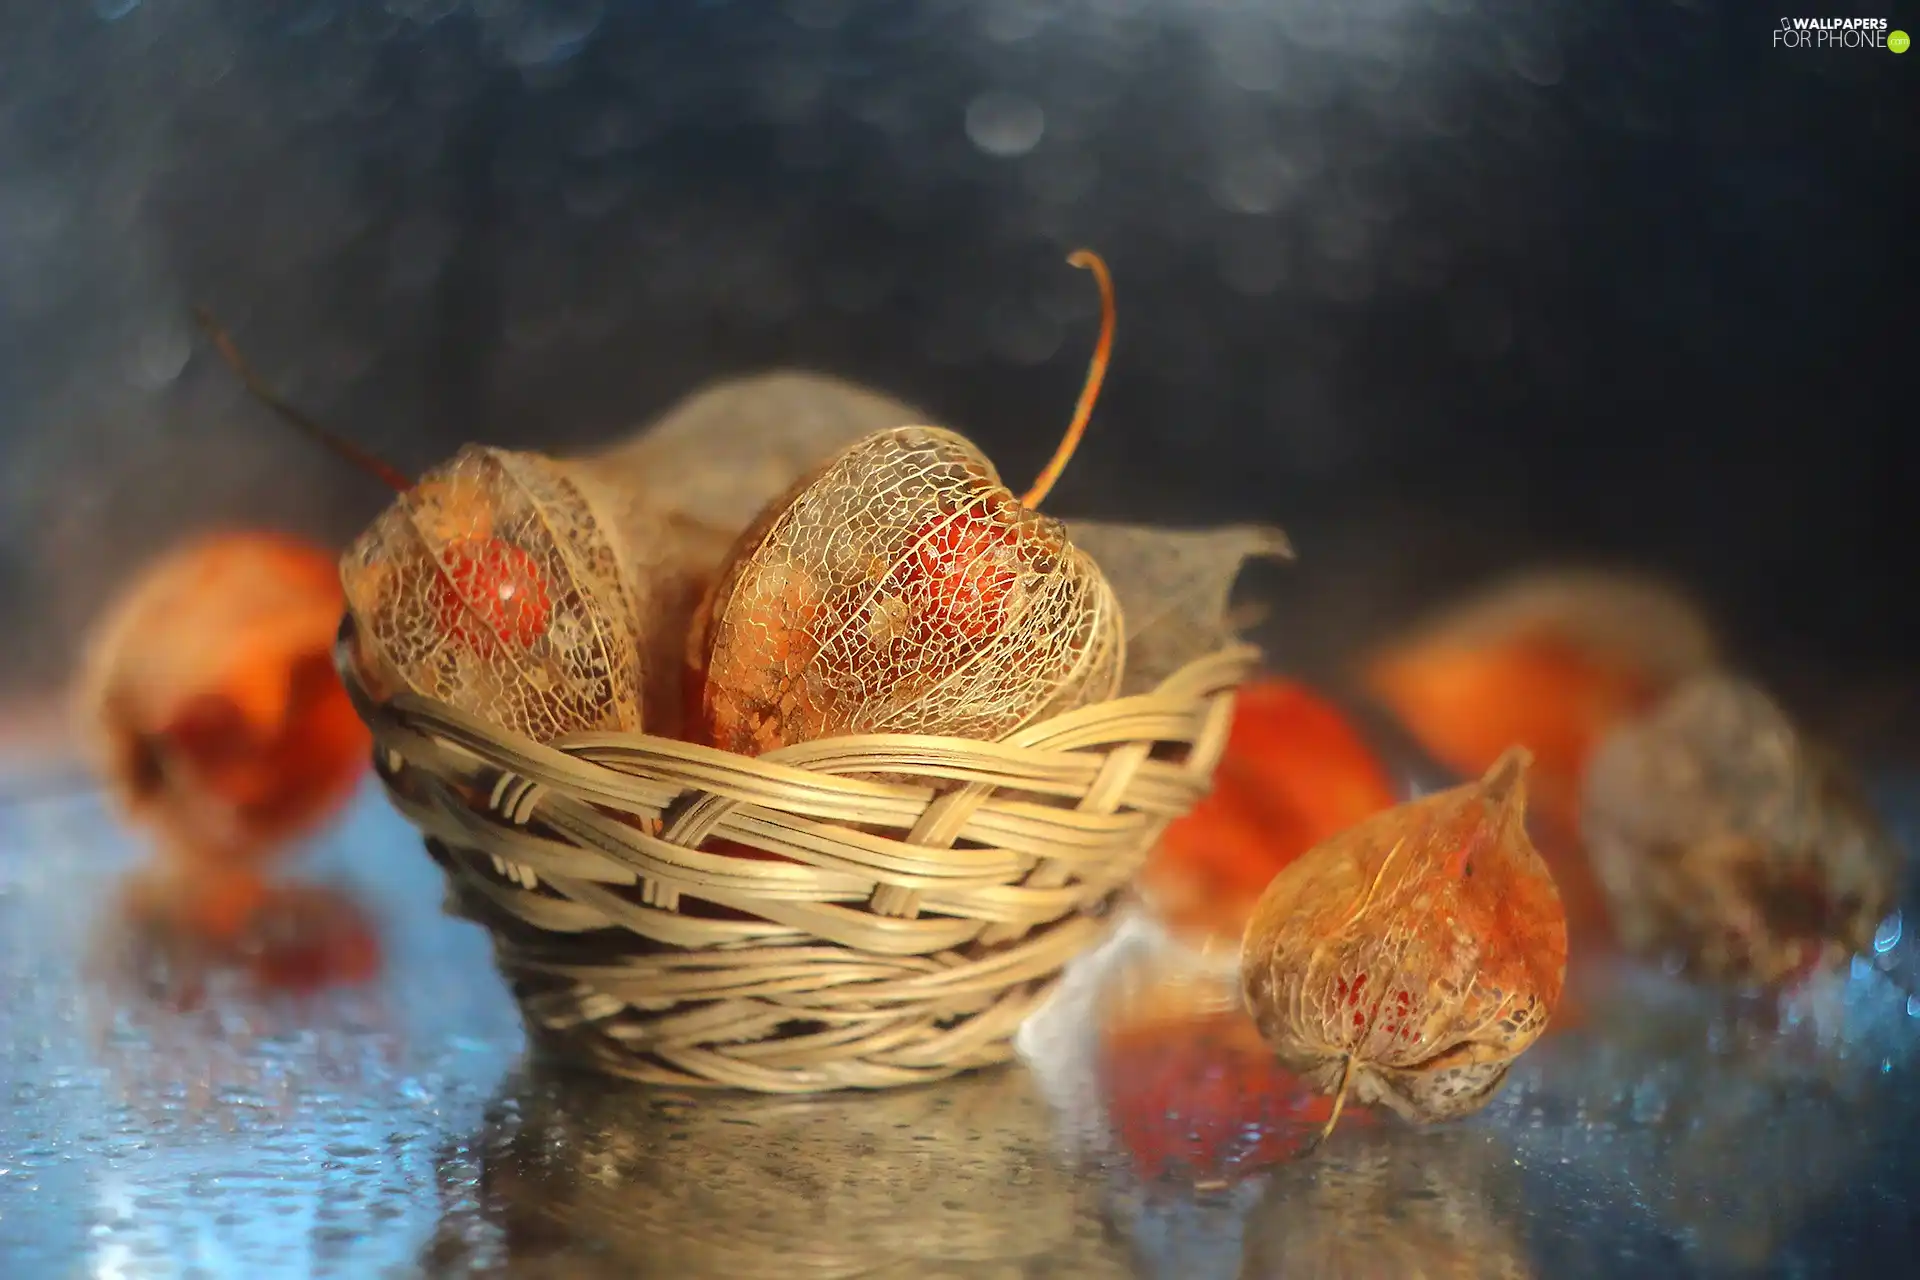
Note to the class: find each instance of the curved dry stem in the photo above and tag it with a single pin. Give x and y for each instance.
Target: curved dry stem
(339, 445)
(1096, 374)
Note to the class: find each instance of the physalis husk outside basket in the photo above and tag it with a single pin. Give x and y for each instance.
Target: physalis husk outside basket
(1412, 958)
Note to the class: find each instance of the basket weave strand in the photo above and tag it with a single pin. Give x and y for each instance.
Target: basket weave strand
(914, 899)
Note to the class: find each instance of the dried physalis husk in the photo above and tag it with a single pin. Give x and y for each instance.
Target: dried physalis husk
(902, 588)
(1724, 834)
(493, 585)
(905, 590)
(209, 703)
(1410, 960)
(503, 584)
(679, 494)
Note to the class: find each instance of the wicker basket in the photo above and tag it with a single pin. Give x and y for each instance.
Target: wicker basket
(921, 895)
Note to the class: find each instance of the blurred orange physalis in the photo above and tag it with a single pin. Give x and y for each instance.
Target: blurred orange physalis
(1550, 662)
(210, 703)
(1294, 773)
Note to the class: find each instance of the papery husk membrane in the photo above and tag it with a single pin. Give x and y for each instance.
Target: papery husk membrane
(1432, 984)
(585, 671)
(823, 625)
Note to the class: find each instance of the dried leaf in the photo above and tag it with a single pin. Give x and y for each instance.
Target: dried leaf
(718, 457)
(904, 590)
(1295, 773)
(209, 703)
(1173, 585)
(1723, 833)
(1411, 959)
(494, 585)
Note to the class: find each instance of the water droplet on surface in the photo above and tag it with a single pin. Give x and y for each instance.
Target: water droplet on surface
(1887, 936)
(819, 15)
(1005, 124)
(1011, 21)
(161, 352)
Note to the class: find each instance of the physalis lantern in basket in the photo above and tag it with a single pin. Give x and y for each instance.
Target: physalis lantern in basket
(517, 588)
(902, 588)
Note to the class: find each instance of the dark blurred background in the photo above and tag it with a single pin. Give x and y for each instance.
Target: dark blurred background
(1443, 286)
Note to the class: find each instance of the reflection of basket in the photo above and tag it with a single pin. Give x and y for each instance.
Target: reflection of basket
(855, 912)
(960, 1179)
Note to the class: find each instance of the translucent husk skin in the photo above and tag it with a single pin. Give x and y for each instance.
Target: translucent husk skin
(902, 589)
(1421, 951)
(574, 665)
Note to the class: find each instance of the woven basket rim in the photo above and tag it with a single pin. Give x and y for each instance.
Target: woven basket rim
(1033, 745)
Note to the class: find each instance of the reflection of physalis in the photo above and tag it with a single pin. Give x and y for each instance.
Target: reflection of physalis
(173, 933)
(1399, 1203)
(1192, 1093)
(956, 1179)
(1722, 833)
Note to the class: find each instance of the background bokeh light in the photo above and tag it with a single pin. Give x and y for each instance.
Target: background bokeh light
(1440, 285)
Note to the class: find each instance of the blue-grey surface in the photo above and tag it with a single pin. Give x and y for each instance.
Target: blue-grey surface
(395, 1132)
(1416, 278)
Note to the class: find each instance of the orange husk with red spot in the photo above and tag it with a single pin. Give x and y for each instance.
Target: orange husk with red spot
(1410, 960)
(1295, 773)
(903, 590)
(208, 701)
(495, 585)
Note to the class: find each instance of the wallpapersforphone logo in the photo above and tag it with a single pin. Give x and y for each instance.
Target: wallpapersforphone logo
(1838, 33)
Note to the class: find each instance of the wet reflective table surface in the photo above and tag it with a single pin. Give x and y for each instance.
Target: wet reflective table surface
(397, 1131)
